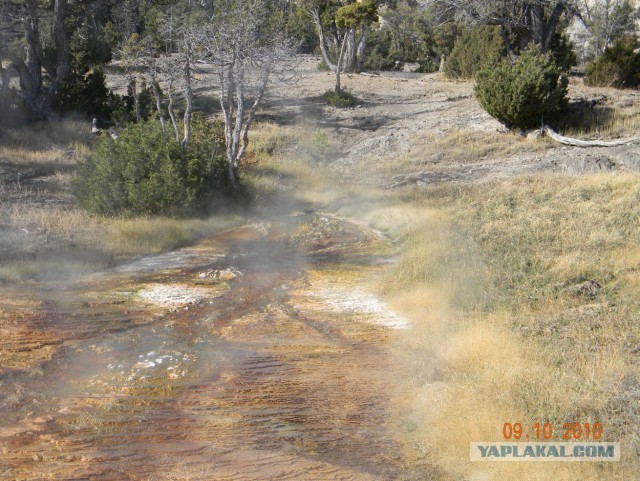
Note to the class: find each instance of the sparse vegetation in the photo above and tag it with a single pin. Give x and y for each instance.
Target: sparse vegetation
(58, 236)
(80, 243)
(525, 289)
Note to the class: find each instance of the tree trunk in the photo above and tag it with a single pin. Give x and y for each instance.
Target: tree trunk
(361, 46)
(323, 47)
(226, 104)
(172, 114)
(584, 143)
(237, 128)
(551, 25)
(189, 99)
(349, 62)
(136, 98)
(339, 66)
(158, 99)
(443, 60)
(507, 42)
(39, 100)
(537, 22)
(5, 78)
(233, 177)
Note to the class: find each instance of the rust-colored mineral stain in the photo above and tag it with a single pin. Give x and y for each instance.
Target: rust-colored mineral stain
(238, 373)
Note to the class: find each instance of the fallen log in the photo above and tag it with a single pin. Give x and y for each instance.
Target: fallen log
(584, 143)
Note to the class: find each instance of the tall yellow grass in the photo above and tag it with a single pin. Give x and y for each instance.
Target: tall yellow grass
(509, 336)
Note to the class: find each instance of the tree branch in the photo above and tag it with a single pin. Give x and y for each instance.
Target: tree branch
(584, 143)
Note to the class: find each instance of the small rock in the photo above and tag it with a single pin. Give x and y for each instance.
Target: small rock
(224, 274)
(534, 135)
(589, 289)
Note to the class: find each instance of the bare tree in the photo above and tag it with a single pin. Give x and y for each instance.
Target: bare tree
(141, 59)
(188, 40)
(605, 20)
(246, 55)
(132, 54)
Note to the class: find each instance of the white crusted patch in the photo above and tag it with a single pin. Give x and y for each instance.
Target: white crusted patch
(222, 274)
(359, 301)
(167, 260)
(172, 295)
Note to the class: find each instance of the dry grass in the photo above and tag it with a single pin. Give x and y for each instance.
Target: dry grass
(468, 146)
(503, 332)
(456, 147)
(281, 165)
(491, 277)
(83, 242)
(45, 136)
(616, 115)
(603, 122)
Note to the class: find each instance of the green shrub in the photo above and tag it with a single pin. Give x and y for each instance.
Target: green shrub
(380, 52)
(339, 99)
(126, 111)
(146, 172)
(87, 93)
(474, 48)
(562, 51)
(302, 31)
(618, 67)
(523, 93)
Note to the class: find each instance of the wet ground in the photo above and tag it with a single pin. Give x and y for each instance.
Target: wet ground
(254, 355)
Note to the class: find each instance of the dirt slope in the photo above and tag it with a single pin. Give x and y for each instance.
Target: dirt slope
(403, 123)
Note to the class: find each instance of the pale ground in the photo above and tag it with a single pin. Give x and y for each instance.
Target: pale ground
(388, 139)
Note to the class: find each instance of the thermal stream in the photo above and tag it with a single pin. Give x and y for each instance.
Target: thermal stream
(253, 355)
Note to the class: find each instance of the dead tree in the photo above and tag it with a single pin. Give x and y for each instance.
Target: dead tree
(141, 59)
(582, 143)
(246, 55)
(178, 72)
(606, 20)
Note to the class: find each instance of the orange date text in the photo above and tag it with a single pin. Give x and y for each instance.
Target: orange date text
(569, 431)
